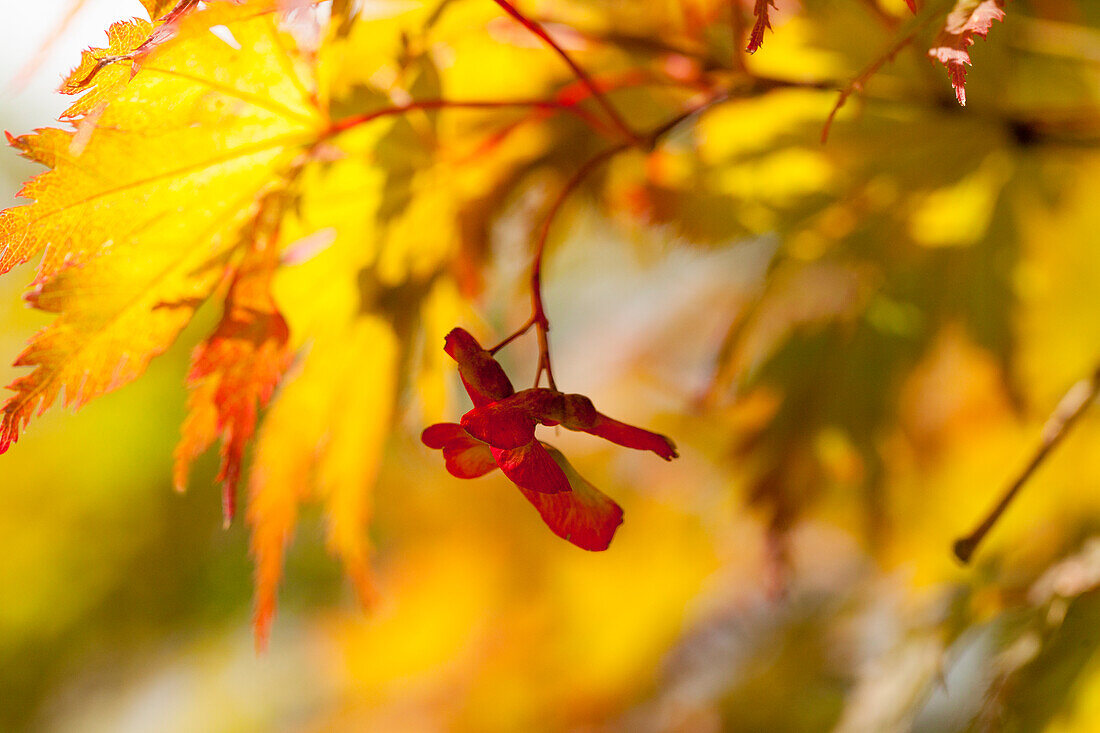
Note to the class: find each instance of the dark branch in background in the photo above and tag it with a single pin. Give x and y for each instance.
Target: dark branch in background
(1058, 425)
(856, 84)
(347, 123)
(928, 12)
(629, 42)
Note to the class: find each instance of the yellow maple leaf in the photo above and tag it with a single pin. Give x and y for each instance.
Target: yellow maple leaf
(136, 226)
(323, 439)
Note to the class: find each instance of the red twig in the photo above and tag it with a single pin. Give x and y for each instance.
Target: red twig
(182, 7)
(347, 123)
(538, 311)
(537, 29)
(538, 314)
(519, 332)
(907, 34)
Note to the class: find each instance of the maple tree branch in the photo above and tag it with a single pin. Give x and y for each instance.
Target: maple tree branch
(536, 28)
(538, 314)
(538, 317)
(575, 93)
(538, 311)
(346, 123)
(519, 332)
(1065, 415)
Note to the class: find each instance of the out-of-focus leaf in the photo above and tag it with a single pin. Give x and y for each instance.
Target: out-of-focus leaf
(323, 440)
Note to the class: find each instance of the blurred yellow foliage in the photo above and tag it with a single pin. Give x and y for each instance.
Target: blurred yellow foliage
(855, 347)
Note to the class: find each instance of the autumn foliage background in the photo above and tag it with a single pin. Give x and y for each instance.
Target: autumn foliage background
(854, 345)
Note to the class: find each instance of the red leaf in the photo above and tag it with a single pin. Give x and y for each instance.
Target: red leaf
(584, 516)
(528, 466)
(500, 425)
(439, 435)
(968, 19)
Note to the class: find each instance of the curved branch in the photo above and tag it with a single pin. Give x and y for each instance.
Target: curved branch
(537, 29)
(538, 311)
(342, 125)
(1057, 426)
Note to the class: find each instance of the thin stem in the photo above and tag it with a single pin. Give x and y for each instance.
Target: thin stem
(181, 8)
(544, 359)
(522, 330)
(537, 29)
(538, 310)
(347, 123)
(1058, 425)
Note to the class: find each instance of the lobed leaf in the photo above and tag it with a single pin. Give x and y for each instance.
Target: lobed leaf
(136, 222)
(99, 76)
(323, 439)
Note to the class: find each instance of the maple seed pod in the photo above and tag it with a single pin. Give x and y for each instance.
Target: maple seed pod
(500, 424)
(460, 345)
(580, 413)
(532, 468)
(630, 436)
(483, 377)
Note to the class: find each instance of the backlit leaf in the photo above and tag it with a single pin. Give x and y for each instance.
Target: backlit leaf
(135, 225)
(234, 372)
(323, 440)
